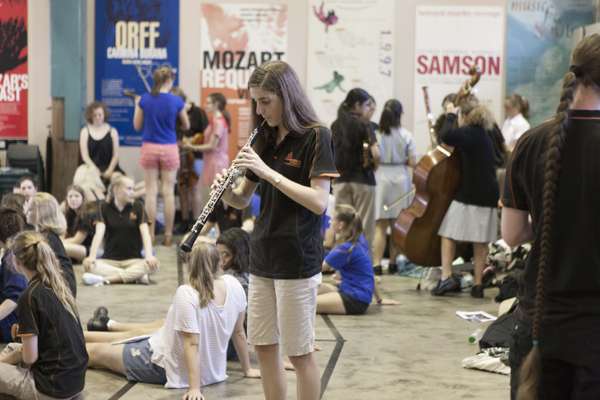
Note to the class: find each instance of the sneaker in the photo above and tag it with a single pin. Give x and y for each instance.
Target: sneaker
(90, 279)
(99, 324)
(377, 270)
(477, 292)
(393, 268)
(447, 285)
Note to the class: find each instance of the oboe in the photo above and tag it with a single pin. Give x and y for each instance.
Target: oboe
(215, 195)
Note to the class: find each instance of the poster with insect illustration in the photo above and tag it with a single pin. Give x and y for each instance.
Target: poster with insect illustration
(350, 44)
(132, 39)
(14, 77)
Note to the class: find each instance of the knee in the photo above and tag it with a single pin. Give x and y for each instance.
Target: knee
(302, 362)
(266, 349)
(93, 349)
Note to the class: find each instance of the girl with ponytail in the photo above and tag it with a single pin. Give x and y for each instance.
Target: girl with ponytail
(189, 348)
(350, 257)
(551, 197)
(49, 329)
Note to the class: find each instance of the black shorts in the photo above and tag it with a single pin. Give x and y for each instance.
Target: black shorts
(353, 306)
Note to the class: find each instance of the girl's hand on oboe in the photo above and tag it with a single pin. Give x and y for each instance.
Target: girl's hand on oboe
(247, 158)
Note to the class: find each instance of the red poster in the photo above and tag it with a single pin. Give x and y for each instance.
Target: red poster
(14, 80)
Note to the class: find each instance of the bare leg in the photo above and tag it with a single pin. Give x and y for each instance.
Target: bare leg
(106, 356)
(197, 203)
(110, 337)
(480, 253)
(394, 249)
(326, 288)
(379, 240)
(167, 179)
(448, 254)
(75, 251)
(272, 372)
(151, 183)
(330, 303)
(130, 326)
(308, 386)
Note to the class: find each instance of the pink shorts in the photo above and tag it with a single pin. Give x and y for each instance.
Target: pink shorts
(159, 156)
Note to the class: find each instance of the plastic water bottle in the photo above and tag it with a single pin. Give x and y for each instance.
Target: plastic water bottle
(476, 335)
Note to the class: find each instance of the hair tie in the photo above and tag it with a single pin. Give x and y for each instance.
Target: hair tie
(577, 70)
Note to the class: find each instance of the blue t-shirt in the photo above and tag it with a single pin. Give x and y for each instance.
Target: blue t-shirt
(356, 269)
(160, 115)
(12, 284)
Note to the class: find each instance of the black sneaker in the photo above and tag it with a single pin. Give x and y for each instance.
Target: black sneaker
(99, 322)
(447, 285)
(377, 270)
(392, 268)
(477, 292)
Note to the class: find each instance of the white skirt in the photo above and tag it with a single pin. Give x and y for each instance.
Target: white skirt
(393, 181)
(469, 223)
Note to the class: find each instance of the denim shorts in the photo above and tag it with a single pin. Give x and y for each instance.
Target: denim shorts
(137, 358)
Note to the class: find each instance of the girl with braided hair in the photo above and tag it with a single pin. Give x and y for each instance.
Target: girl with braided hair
(551, 196)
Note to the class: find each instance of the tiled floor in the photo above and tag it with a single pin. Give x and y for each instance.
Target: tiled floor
(410, 351)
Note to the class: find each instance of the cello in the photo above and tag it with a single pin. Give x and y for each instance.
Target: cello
(435, 179)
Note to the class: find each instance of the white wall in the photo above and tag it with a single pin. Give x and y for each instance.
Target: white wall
(190, 57)
(39, 115)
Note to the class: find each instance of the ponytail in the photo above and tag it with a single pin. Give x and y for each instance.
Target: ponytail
(347, 214)
(204, 269)
(530, 370)
(390, 116)
(160, 76)
(33, 253)
(221, 101)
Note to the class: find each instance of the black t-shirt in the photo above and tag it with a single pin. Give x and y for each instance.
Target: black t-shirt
(84, 223)
(286, 242)
(348, 148)
(123, 239)
(572, 302)
(478, 184)
(226, 218)
(64, 260)
(62, 358)
(198, 123)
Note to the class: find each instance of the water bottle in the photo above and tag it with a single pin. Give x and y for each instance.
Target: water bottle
(476, 335)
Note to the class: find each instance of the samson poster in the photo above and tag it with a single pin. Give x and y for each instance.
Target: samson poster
(350, 44)
(14, 80)
(132, 39)
(236, 38)
(472, 36)
(539, 45)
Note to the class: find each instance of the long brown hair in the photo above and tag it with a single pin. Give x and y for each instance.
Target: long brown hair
(220, 101)
(585, 70)
(33, 253)
(160, 76)
(45, 214)
(520, 103)
(204, 269)
(278, 77)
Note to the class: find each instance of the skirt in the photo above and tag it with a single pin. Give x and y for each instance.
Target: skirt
(393, 182)
(469, 223)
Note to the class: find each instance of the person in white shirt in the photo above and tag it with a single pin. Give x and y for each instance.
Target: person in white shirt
(516, 109)
(189, 349)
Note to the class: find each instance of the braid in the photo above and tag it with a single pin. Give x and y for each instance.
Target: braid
(530, 369)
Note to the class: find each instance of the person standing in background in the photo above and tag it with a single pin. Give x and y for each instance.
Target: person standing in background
(516, 109)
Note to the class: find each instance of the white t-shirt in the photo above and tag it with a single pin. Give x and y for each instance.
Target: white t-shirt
(513, 128)
(397, 147)
(213, 323)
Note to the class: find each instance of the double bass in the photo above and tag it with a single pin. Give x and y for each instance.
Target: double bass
(435, 179)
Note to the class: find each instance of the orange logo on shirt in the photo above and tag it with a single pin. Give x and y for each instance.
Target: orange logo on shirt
(291, 161)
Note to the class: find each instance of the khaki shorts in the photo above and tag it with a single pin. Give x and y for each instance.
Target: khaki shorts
(282, 311)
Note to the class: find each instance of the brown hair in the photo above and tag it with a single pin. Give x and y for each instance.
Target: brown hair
(160, 76)
(204, 269)
(585, 70)
(11, 223)
(279, 78)
(349, 216)
(89, 111)
(475, 113)
(15, 201)
(520, 103)
(391, 116)
(221, 101)
(77, 189)
(34, 254)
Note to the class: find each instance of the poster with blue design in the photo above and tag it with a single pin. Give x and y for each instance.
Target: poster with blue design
(132, 39)
(539, 35)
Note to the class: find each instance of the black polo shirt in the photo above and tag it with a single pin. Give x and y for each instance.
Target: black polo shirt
(62, 358)
(572, 301)
(122, 239)
(286, 242)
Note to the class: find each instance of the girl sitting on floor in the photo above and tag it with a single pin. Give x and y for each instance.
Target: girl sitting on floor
(52, 339)
(350, 258)
(80, 216)
(189, 349)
